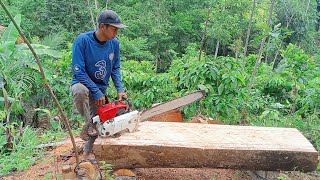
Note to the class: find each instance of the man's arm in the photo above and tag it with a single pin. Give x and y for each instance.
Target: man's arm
(78, 68)
(116, 73)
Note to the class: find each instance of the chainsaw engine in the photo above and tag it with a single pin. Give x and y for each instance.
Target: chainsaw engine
(113, 109)
(113, 116)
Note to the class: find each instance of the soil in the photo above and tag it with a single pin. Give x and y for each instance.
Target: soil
(50, 167)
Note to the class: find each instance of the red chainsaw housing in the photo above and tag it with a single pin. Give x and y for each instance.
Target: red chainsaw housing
(109, 111)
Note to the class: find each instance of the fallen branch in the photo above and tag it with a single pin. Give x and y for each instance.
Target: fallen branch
(54, 144)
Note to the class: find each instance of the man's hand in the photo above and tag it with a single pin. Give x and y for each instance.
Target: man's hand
(101, 101)
(121, 94)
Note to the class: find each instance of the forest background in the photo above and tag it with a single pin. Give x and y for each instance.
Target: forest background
(258, 61)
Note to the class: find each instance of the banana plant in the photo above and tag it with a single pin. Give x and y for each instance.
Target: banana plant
(18, 69)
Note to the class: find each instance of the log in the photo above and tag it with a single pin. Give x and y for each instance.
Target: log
(170, 116)
(189, 145)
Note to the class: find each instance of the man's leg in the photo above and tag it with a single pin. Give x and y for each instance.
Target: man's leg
(88, 147)
(89, 144)
(86, 107)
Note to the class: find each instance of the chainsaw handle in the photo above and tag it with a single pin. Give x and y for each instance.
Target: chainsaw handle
(124, 97)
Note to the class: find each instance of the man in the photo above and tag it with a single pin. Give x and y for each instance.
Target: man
(96, 58)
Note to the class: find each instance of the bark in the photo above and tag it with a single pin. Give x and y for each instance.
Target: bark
(217, 49)
(249, 28)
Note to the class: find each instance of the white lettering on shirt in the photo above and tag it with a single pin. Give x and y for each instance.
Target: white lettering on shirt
(101, 74)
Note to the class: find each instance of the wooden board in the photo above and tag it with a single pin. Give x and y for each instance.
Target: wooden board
(190, 145)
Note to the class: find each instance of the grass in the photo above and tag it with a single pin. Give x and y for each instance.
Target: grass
(24, 153)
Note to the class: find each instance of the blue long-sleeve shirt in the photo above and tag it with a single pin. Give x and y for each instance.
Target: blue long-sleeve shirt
(93, 64)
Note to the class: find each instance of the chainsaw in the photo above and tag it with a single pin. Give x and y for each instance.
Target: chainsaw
(115, 117)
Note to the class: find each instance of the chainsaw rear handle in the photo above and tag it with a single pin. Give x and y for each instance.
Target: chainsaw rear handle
(124, 97)
(126, 100)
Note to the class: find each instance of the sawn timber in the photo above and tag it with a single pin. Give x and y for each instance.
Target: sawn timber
(190, 145)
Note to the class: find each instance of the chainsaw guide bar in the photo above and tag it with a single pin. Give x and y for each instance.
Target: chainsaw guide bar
(171, 105)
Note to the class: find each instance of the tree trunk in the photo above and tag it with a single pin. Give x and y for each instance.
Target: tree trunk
(96, 3)
(288, 17)
(204, 33)
(287, 26)
(92, 16)
(266, 52)
(249, 28)
(217, 49)
(308, 5)
(237, 54)
(318, 20)
(258, 60)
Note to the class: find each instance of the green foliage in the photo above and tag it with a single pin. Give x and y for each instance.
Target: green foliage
(23, 152)
(222, 80)
(20, 72)
(299, 17)
(135, 49)
(54, 41)
(310, 98)
(144, 86)
(107, 170)
(9, 38)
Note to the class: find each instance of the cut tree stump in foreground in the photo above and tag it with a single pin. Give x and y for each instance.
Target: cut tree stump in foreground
(189, 145)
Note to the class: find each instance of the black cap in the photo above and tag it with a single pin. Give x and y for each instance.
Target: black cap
(110, 17)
